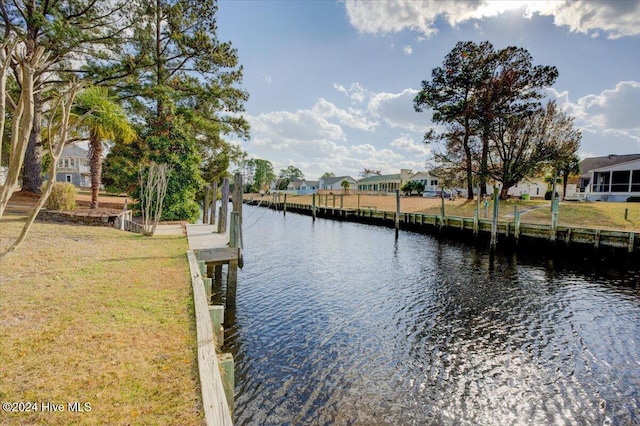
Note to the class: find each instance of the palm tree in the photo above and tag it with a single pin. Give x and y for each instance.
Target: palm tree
(346, 185)
(103, 119)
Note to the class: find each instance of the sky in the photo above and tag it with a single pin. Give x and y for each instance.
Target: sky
(331, 84)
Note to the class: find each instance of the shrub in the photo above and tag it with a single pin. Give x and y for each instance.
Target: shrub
(633, 200)
(63, 197)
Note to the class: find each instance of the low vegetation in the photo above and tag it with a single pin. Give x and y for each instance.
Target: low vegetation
(95, 315)
(62, 197)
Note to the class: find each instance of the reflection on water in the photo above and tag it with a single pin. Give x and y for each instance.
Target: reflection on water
(339, 323)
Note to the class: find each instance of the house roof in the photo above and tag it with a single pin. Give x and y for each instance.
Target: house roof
(74, 151)
(332, 180)
(311, 182)
(378, 178)
(589, 164)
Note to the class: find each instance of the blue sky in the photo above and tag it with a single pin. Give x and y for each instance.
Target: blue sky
(331, 84)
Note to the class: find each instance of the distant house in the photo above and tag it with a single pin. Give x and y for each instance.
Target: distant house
(384, 183)
(302, 187)
(73, 166)
(335, 183)
(428, 180)
(610, 178)
(309, 187)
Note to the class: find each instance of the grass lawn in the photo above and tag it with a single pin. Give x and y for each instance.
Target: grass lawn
(92, 314)
(586, 214)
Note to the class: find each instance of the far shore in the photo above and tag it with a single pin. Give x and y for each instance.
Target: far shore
(596, 215)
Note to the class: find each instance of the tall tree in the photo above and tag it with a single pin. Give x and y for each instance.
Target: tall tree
(475, 86)
(69, 31)
(175, 65)
(521, 145)
(104, 120)
(263, 174)
(451, 95)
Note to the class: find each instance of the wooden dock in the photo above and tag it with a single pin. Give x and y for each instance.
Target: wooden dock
(211, 248)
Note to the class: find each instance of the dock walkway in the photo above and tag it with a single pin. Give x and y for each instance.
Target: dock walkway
(205, 237)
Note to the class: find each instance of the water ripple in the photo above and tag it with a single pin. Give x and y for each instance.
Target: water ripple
(339, 323)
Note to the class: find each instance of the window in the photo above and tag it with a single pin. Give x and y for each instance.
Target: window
(601, 181)
(72, 162)
(620, 181)
(67, 178)
(434, 182)
(635, 181)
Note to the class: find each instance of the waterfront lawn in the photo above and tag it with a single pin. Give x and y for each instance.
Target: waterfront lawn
(579, 214)
(96, 315)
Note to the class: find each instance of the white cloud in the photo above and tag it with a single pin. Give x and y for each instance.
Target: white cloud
(355, 92)
(396, 109)
(353, 118)
(406, 143)
(408, 50)
(613, 111)
(617, 18)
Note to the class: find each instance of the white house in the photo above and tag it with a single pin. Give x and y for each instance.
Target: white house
(302, 187)
(384, 183)
(309, 187)
(616, 182)
(335, 183)
(429, 181)
(73, 166)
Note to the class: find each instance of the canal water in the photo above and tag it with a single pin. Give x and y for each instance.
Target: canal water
(340, 323)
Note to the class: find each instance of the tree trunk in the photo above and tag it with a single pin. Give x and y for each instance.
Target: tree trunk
(95, 151)
(504, 192)
(32, 169)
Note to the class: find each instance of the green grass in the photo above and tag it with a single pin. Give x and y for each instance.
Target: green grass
(97, 315)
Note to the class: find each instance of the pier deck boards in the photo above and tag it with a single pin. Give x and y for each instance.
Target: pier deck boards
(205, 237)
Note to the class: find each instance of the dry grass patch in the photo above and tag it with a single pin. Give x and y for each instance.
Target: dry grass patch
(96, 315)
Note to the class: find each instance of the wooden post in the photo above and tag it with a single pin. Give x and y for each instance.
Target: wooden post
(216, 312)
(232, 271)
(553, 187)
(632, 242)
(516, 231)
(494, 221)
(596, 241)
(626, 212)
(203, 267)
(284, 206)
(476, 214)
(214, 202)
(237, 193)
(207, 289)
(397, 217)
(224, 207)
(341, 201)
(441, 208)
(313, 207)
(205, 206)
(476, 222)
(334, 201)
(554, 218)
(228, 380)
